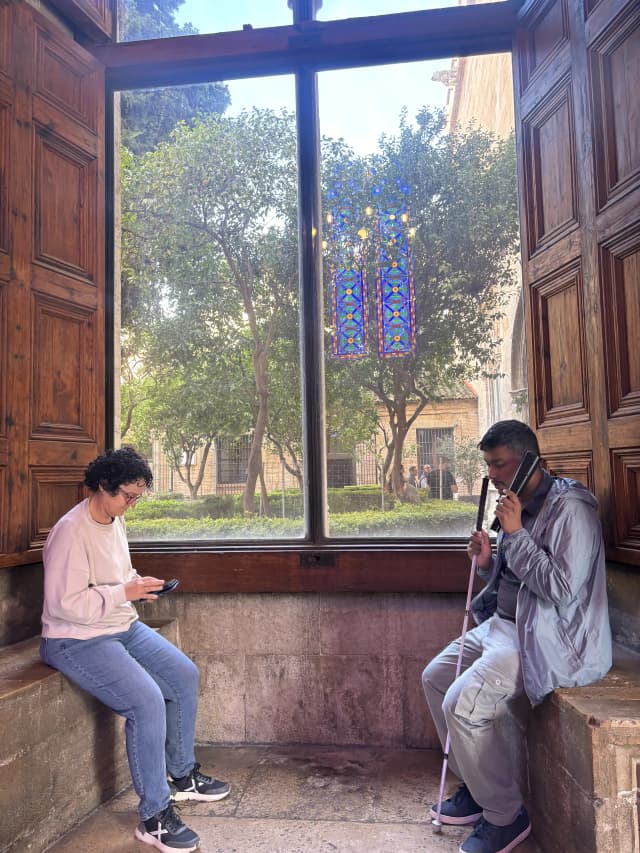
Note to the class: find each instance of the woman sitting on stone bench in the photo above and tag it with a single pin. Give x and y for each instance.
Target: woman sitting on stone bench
(91, 632)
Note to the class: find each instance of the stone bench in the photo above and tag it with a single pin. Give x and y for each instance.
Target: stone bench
(584, 764)
(62, 753)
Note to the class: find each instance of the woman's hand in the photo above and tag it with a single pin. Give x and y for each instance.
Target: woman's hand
(142, 589)
(480, 547)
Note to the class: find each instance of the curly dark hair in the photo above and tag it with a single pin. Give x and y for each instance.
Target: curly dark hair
(515, 435)
(116, 468)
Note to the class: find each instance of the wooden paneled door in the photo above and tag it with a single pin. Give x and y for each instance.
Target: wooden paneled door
(51, 274)
(577, 87)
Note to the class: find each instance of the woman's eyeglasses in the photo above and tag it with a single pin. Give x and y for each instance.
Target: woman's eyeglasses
(129, 497)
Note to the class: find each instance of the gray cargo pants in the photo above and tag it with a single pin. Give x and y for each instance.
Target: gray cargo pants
(491, 677)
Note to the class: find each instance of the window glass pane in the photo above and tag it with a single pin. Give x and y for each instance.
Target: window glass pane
(425, 343)
(140, 19)
(209, 332)
(340, 9)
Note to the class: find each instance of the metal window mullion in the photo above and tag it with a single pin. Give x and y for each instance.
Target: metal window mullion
(311, 304)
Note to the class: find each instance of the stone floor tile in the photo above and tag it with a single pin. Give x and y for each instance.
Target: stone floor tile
(298, 799)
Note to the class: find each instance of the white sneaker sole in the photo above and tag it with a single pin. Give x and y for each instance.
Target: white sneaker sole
(181, 796)
(455, 821)
(146, 838)
(513, 844)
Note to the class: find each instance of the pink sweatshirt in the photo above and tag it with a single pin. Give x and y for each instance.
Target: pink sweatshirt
(86, 565)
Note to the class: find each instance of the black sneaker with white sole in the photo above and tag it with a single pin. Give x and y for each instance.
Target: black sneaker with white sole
(167, 832)
(489, 838)
(198, 786)
(459, 810)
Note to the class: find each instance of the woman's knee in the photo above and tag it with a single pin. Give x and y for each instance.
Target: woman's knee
(187, 677)
(146, 702)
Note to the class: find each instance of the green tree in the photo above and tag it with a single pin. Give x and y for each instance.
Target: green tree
(468, 463)
(210, 268)
(213, 212)
(462, 197)
(149, 115)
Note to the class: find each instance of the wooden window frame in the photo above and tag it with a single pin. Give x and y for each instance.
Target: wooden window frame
(317, 564)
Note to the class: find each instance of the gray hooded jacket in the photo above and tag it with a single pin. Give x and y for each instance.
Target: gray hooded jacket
(562, 616)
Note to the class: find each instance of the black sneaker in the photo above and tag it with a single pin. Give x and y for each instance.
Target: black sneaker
(489, 838)
(458, 810)
(197, 786)
(167, 832)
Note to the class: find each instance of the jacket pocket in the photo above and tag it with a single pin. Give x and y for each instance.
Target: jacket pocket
(482, 701)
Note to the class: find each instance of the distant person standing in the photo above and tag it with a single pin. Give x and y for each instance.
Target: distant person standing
(424, 477)
(412, 479)
(442, 482)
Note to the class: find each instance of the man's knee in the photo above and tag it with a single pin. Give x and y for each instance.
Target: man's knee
(429, 677)
(476, 702)
(438, 674)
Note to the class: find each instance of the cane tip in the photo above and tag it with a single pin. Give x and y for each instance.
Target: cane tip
(437, 826)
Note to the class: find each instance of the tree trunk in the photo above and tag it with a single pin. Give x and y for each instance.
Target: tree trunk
(254, 466)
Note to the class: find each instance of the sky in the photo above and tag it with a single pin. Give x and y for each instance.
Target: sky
(355, 104)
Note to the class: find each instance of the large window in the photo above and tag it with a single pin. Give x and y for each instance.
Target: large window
(415, 262)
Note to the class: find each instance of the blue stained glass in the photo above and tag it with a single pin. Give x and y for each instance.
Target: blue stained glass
(395, 287)
(349, 313)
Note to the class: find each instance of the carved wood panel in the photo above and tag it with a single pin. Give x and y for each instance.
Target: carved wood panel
(626, 487)
(54, 491)
(63, 346)
(94, 18)
(65, 182)
(6, 99)
(561, 389)
(551, 193)
(614, 61)
(577, 466)
(64, 76)
(4, 354)
(52, 295)
(5, 35)
(546, 34)
(579, 129)
(3, 509)
(620, 284)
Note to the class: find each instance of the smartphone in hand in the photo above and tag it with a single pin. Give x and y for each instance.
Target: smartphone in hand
(168, 587)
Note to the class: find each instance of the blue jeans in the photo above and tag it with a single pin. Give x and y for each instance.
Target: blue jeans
(146, 679)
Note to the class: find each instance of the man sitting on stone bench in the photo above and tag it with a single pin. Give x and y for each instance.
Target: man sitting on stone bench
(543, 623)
(92, 634)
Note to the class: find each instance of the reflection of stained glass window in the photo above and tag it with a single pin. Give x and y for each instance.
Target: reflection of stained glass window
(395, 290)
(349, 310)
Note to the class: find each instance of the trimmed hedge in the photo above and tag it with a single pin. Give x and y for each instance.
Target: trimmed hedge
(345, 500)
(433, 518)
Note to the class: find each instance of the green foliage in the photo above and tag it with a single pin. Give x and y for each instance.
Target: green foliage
(464, 211)
(469, 464)
(210, 307)
(435, 518)
(149, 116)
(221, 528)
(348, 499)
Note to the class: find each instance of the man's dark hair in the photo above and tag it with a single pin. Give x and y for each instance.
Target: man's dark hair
(515, 435)
(117, 468)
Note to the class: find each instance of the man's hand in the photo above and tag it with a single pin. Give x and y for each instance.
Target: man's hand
(480, 547)
(509, 511)
(142, 589)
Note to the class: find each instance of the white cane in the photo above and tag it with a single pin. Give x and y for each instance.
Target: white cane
(436, 823)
